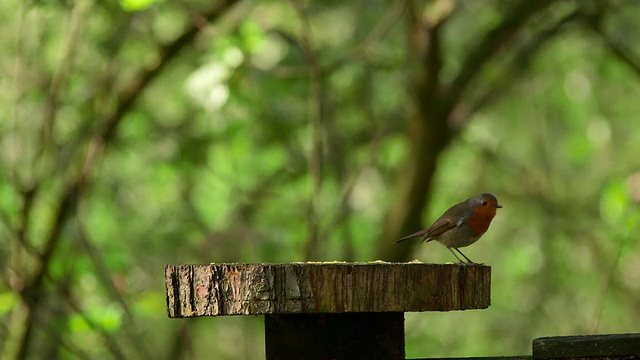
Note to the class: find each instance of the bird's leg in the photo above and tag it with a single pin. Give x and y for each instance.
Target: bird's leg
(454, 254)
(469, 261)
(463, 255)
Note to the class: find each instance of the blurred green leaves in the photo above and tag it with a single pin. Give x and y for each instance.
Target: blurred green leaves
(211, 162)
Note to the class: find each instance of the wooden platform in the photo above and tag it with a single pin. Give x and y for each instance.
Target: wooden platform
(327, 310)
(309, 288)
(355, 310)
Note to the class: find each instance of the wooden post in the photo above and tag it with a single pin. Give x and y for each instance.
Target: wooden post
(327, 310)
(335, 336)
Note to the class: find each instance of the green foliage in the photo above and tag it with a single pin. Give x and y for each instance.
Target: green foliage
(212, 162)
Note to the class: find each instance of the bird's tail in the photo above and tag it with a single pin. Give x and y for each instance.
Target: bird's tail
(411, 236)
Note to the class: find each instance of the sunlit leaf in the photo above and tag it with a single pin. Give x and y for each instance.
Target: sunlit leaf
(252, 35)
(8, 300)
(613, 203)
(151, 303)
(107, 318)
(136, 5)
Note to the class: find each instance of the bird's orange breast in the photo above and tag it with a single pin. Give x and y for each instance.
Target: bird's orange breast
(480, 219)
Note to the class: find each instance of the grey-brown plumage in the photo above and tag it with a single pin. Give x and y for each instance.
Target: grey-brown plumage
(461, 225)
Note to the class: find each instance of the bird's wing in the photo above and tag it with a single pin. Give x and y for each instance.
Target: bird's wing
(440, 226)
(447, 221)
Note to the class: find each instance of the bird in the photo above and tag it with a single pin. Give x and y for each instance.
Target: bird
(462, 225)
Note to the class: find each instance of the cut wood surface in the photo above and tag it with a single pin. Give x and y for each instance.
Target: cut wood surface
(311, 288)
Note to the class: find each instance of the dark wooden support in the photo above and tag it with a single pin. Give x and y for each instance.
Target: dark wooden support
(335, 336)
(614, 346)
(327, 310)
(521, 357)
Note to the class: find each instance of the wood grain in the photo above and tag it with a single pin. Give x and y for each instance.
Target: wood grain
(311, 288)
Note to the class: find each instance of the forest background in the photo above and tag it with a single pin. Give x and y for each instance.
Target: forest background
(139, 133)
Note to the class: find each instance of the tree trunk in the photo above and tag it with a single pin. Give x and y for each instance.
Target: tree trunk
(428, 135)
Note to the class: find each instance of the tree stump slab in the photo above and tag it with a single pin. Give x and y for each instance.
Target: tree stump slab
(315, 288)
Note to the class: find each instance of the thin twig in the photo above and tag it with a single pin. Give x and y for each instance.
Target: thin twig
(525, 54)
(513, 21)
(618, 49)
(109, 340)
(380, 30)
(316, 125)
(359, 51)
(340, 215)
(60, 77)
(102, 273)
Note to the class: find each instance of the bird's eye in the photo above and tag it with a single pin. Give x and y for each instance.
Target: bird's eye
(484, 203)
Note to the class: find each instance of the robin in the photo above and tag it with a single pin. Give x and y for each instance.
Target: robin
(461, 225)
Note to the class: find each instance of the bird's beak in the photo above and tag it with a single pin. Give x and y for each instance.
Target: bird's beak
(498, 206)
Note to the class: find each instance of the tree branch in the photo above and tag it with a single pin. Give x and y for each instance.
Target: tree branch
(379, 31)
(72, 193)
(525, 54)
(316, 155)
(428, 134)
(617, 48)
(513, 21)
